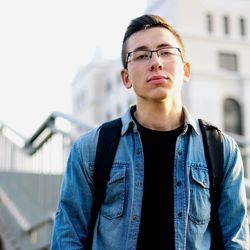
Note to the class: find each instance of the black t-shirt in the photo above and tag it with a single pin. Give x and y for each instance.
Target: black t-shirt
(157, 216)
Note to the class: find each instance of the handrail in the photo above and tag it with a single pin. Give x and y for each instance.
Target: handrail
(14, 136)
(4, 199)
(49, 127)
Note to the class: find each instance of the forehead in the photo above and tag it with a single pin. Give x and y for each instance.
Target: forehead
(151, 38)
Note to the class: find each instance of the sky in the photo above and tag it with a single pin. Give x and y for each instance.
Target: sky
(44, 43)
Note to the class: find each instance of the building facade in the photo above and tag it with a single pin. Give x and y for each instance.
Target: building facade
(98, 92)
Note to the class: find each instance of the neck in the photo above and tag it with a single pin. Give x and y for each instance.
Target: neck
(160, 116)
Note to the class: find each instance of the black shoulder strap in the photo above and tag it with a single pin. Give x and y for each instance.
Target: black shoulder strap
(107, 144)
(213, 147)
(108, 140)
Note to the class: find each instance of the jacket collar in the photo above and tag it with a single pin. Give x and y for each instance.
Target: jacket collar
(128, 122)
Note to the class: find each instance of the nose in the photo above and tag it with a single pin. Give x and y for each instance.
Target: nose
(155, 62)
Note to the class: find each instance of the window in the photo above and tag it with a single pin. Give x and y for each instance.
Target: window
(209, 23)
(228, 61)
(242, 24)
(226, 25)
(232, 116)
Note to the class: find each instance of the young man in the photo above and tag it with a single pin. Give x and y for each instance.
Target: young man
(157, 196)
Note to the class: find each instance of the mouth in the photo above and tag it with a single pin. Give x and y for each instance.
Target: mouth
(157, 78)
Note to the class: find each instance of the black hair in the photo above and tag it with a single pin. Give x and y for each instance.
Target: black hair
(146, 22)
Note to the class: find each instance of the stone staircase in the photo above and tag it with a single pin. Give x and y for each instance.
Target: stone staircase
(27, 206)
(8, 241)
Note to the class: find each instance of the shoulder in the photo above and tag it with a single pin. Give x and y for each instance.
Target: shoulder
(230, 147)
(85, 145)
(228, 141)
(87, 137)
(231, 156)
(207, 124)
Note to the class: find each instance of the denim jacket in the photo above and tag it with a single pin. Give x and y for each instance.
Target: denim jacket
(118, 222)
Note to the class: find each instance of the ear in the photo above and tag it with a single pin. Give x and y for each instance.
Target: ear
(125, 78)
(187, 71)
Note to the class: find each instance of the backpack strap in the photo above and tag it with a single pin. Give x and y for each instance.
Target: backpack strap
(213, 147)
(107, 144)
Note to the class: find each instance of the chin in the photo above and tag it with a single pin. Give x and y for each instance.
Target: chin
(161, 95)
(159, 99)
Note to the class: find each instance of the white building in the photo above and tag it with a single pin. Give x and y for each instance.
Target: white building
(216, 34)
(98, 92)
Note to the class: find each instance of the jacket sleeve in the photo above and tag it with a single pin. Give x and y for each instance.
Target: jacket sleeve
(233, 207)
(75, 203)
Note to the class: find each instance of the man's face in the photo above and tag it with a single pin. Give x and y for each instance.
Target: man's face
(157, 78)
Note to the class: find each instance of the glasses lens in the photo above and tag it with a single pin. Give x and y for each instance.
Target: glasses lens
(140, 55)
(167, 52)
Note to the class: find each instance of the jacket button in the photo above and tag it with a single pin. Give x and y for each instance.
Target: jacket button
(138, 151)
(135, 217)
(178, 183)
(139, 184)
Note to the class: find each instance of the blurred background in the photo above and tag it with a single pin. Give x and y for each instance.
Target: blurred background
(60, 76)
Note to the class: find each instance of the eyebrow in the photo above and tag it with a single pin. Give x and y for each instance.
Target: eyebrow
(162, 45)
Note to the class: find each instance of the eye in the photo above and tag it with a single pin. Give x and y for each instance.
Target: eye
(141, 55)
(165, 52)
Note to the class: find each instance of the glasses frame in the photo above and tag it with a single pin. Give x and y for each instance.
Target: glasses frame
(152, 51)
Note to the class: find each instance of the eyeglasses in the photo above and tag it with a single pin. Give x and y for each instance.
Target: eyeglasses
(144, 56)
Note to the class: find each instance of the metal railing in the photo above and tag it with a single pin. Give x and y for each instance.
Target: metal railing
(47, 149)
(30, 177)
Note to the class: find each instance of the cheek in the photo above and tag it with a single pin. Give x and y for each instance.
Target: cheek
(136, 76)
(177, 71)
(173, 67)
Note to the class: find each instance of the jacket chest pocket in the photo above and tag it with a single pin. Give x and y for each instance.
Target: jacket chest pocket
(113, 205)
(200, 205)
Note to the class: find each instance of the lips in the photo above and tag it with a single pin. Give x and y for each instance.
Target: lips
(156, 78)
